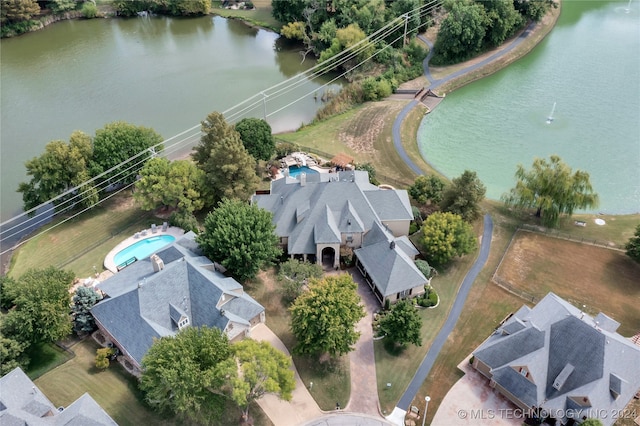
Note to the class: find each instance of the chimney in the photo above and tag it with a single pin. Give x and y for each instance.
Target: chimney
(303, 179)
(158, 264)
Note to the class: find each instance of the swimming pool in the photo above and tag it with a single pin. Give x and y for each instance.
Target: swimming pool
(294, 171)
(143, 248)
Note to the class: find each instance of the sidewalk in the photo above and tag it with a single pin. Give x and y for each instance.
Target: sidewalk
(302, 407)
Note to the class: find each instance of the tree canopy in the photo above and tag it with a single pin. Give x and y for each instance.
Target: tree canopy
(293, 275)
(119, 141)
(633, 245)
(446, 235)
(41, 306)
(163, 7)
(463, 196)
(402, 324)
(59, 169)
(323, 319)
(18, 10)
(229, 168)
(552, 188)
(256, 137)
(255, 369)
(83, 301)
(181, 373)
(176, 184)
(241, 237)
(461, 33)
(427, 189)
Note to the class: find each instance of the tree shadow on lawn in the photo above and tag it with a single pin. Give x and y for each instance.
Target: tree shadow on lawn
(393, 348)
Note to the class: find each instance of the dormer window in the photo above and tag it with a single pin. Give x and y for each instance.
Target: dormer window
(184, 322)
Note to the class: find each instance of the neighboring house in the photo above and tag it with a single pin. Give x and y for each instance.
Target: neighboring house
(22, 403)
(173, 289)
(319, 214)
(556, 360)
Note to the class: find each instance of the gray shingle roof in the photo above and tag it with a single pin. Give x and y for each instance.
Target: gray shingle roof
(589, 364)
(387, 264)
(147, 304)
(347, 195)
(22, 403)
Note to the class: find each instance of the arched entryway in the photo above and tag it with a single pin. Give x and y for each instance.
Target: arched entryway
(328, 257)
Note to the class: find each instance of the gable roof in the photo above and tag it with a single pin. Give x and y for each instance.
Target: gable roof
(22, 403)
(387, 264)
(147, 306)
(574, 365)
(327, 205)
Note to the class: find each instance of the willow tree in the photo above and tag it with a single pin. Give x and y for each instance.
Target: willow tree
(552, 188)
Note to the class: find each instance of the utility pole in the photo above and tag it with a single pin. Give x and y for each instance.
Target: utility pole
(406, 22)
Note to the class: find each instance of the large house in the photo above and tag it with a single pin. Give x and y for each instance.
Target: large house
(22, 403)
(318, 214)
(553, 360)
(175, 288)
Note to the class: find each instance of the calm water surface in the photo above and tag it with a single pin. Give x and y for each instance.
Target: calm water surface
(163, 73)
(590, 67)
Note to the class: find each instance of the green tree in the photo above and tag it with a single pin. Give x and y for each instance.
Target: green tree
(256, 369)
(188, 7)
(214, 128)
(229, 169)
(461, 33)
(369, 168)
(464, 195)
(61, 168)
(346, 38)
(61, 6)
(7, 291)
(83, 301)
(534, 10)
(18, 10)
(402, 324)
(118, 142)
(256, 137)
(323, 319)
(633, 245)
(446, 235)
(294, 275)
(427, 189)
(41, 311)
(181, 373)
(12, 354)
(287, 11)
(503, 20)
(176, 184)
(552, 189)
(241, 237)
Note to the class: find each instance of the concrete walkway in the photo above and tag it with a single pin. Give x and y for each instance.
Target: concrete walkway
(364, 388)
(302, 407)
(399, 412)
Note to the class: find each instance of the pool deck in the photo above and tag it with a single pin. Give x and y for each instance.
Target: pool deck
(139, 236)
(299, 159)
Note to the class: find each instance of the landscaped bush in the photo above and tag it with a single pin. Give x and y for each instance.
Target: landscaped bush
(413, 228)
(428, 299)
(285, 148)
(184, 220)
(424, 267)
(89, 10)
(346, 256)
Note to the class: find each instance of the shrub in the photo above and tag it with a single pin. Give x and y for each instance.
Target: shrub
(413, 228)
(285, 148)
(184, 220)
(102, 357)
(346, 256)
(424, 267)
(89, 10)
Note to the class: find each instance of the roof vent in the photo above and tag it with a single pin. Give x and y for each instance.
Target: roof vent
(392, 245)
(222, 312)
(281, 199)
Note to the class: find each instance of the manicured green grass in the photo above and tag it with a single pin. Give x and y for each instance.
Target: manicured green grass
(116, 391)
(331, 381)
(260, 17)
(43, 357)
(82, 242)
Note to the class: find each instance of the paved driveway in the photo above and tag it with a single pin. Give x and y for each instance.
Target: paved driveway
(472, 402)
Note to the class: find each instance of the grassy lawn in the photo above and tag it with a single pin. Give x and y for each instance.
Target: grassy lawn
(115, 390)
(43, 357)
(331, 381)
(601, 279)
(83, 242)
(260, 17)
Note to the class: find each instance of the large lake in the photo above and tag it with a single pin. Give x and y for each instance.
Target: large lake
(163, 73)
(589, 66)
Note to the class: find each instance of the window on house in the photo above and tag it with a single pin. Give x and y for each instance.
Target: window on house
(183, 323)
(349, 237)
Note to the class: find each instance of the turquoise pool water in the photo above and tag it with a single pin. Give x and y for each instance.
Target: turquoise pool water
(294, 171)
(143, 248)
